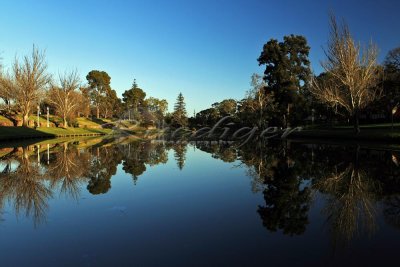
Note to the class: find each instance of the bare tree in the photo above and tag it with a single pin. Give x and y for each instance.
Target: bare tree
(353, 70)
(7, 89)
(259, 101)
(65, 98)
(31, 79)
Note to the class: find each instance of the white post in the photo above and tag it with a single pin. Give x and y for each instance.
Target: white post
(312, 116)
(38, 111)
(48, 154)
(47, 117)
(38, 154)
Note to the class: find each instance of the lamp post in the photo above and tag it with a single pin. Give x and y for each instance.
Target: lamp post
(38, 112)
(394, 110)
(38, 155)
(47, 117)
(48, 154)
(312, 116)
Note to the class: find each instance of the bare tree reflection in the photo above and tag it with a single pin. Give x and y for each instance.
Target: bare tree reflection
(67, 170)
(26, 189)
(352, 194)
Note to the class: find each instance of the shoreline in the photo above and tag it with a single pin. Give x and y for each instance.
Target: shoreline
(365, 135)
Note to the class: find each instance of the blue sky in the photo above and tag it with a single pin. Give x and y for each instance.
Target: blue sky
(205, 49)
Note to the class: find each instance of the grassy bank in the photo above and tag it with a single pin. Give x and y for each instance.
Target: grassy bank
(13, 133)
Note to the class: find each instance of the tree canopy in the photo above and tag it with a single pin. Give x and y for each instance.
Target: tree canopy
(179, 116)
(287, 72)
(99, 84)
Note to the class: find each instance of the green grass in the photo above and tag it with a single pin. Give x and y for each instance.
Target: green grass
(369, 126)
(5, 120)
(87, 123)
(381, 132)
(12, 133)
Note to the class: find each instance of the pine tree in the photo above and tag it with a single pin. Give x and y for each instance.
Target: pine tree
(134, 100)
(179, 117)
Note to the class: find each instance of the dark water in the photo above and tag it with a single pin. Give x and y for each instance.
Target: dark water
(129, 203)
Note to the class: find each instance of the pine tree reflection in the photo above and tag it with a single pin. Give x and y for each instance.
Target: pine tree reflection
(180, 149)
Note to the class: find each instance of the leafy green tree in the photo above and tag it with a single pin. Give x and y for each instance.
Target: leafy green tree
(391, 85)
(111, 104)
(226, 107)
(287, 72)
(99, 84)
(392, 59)
(207, 117)
(83, 108)
(157, 107)
(134, 97)
(179, 116)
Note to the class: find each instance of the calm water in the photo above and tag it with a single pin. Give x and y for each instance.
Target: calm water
(128, 203)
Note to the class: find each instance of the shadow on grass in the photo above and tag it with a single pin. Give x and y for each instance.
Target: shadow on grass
(12, 132)
(17, 133)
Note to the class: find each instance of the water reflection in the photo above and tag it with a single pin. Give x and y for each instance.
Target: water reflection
(22, 184)
(350, 181)
(31, 175)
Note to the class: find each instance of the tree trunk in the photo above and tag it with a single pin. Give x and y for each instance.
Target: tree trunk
(25, 119)
(356, 122)
(98, 111)
(65, 122)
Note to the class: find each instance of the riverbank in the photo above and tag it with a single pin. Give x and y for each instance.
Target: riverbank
(15, 133)
(373, 134)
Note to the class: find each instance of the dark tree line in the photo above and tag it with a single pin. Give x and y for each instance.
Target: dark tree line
(352, 89)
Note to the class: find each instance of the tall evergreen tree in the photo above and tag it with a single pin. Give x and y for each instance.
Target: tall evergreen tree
(179, 116)
(134, 97)
(287, 72)
(99, 84)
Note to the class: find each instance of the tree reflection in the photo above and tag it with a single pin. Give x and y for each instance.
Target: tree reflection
(287, 201)
(138, 154)
(350, 204)
(30, 175)
(67, 170)
(350, 180)
(219, 150)
(276, 173)
(25, 188)
(180, 149)
(102, 166)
